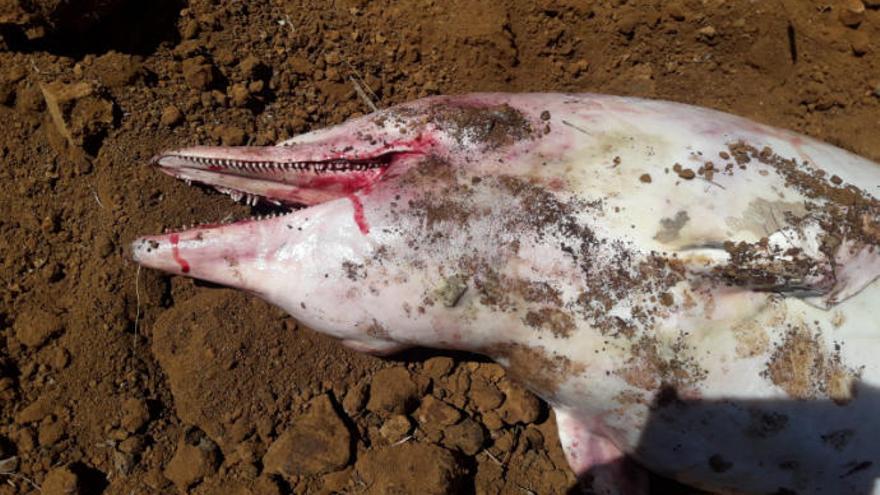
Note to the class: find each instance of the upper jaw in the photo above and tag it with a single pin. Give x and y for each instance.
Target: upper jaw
(301, 175)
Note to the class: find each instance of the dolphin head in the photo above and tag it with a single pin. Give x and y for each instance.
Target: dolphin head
(401, 225)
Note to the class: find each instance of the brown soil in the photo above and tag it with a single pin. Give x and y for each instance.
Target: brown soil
(125, 382)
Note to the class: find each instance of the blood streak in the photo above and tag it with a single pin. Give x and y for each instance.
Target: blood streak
(175, 253)
(359, 217)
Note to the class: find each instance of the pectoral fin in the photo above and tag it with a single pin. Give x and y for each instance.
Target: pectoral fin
(597, 461)
(795, 262)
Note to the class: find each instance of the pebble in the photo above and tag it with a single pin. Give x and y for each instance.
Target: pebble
(239, 95)
(35, 411)
(198, 73)
(230, 135)
(707, 34)
(467, 436)
(171, 116)
(354, 400)
(393, 391)
(135, 414)
(520, 406)
(438, 367)
(434, 411)
(61, 481)
(251, 66)
(134, 445)
(317, 443)
(396, 428)
(196, 458)
(485, 395)
(860, 42)
(51, 431)
(852, 12)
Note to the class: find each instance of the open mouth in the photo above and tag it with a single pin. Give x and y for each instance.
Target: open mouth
(276, 180)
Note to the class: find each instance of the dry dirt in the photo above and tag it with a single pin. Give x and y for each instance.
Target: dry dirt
(114, 381)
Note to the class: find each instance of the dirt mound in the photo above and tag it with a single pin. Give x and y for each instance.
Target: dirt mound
(126, 381)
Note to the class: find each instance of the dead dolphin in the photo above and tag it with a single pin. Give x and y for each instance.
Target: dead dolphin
(683, 286)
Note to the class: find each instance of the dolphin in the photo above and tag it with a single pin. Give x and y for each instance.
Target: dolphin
(686, 288)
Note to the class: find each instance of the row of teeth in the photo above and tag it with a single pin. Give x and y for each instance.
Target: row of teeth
(318, 167)
(249, 199)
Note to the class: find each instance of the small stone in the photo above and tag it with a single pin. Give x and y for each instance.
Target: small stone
(24, 440)
(61, 481)
(198, 73)
(354, 400)
(646, 178)
(133, 445)
(707, 34)
(51, 431)
(852, 12)
(123, 463)
(117, 70)
(251, 66)
(438, 366)
(231, 136)
(135, 414)
(239, 95)
(579, 67)
(171, 116)
(520, 406)
(34, 327)
(485, 395)
(492, 420)
(393, 391)
(676, 10)
(860, 42)
(35, 411)
(435, 411)
(410, 468)
(396, 428)
(467, 436)
(317, 443)
(195, 459)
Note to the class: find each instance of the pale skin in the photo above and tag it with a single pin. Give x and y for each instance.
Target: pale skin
(682, 286)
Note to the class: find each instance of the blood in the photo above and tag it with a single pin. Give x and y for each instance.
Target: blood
(175, 253)
(359, 217)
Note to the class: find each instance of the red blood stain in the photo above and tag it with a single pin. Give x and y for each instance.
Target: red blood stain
(556, 184)
(359, 217)
(175, 253)
(347, 183)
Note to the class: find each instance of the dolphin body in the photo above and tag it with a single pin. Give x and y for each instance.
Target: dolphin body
(686, 288)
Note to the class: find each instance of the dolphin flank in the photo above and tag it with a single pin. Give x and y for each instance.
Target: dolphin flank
(686, 288)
